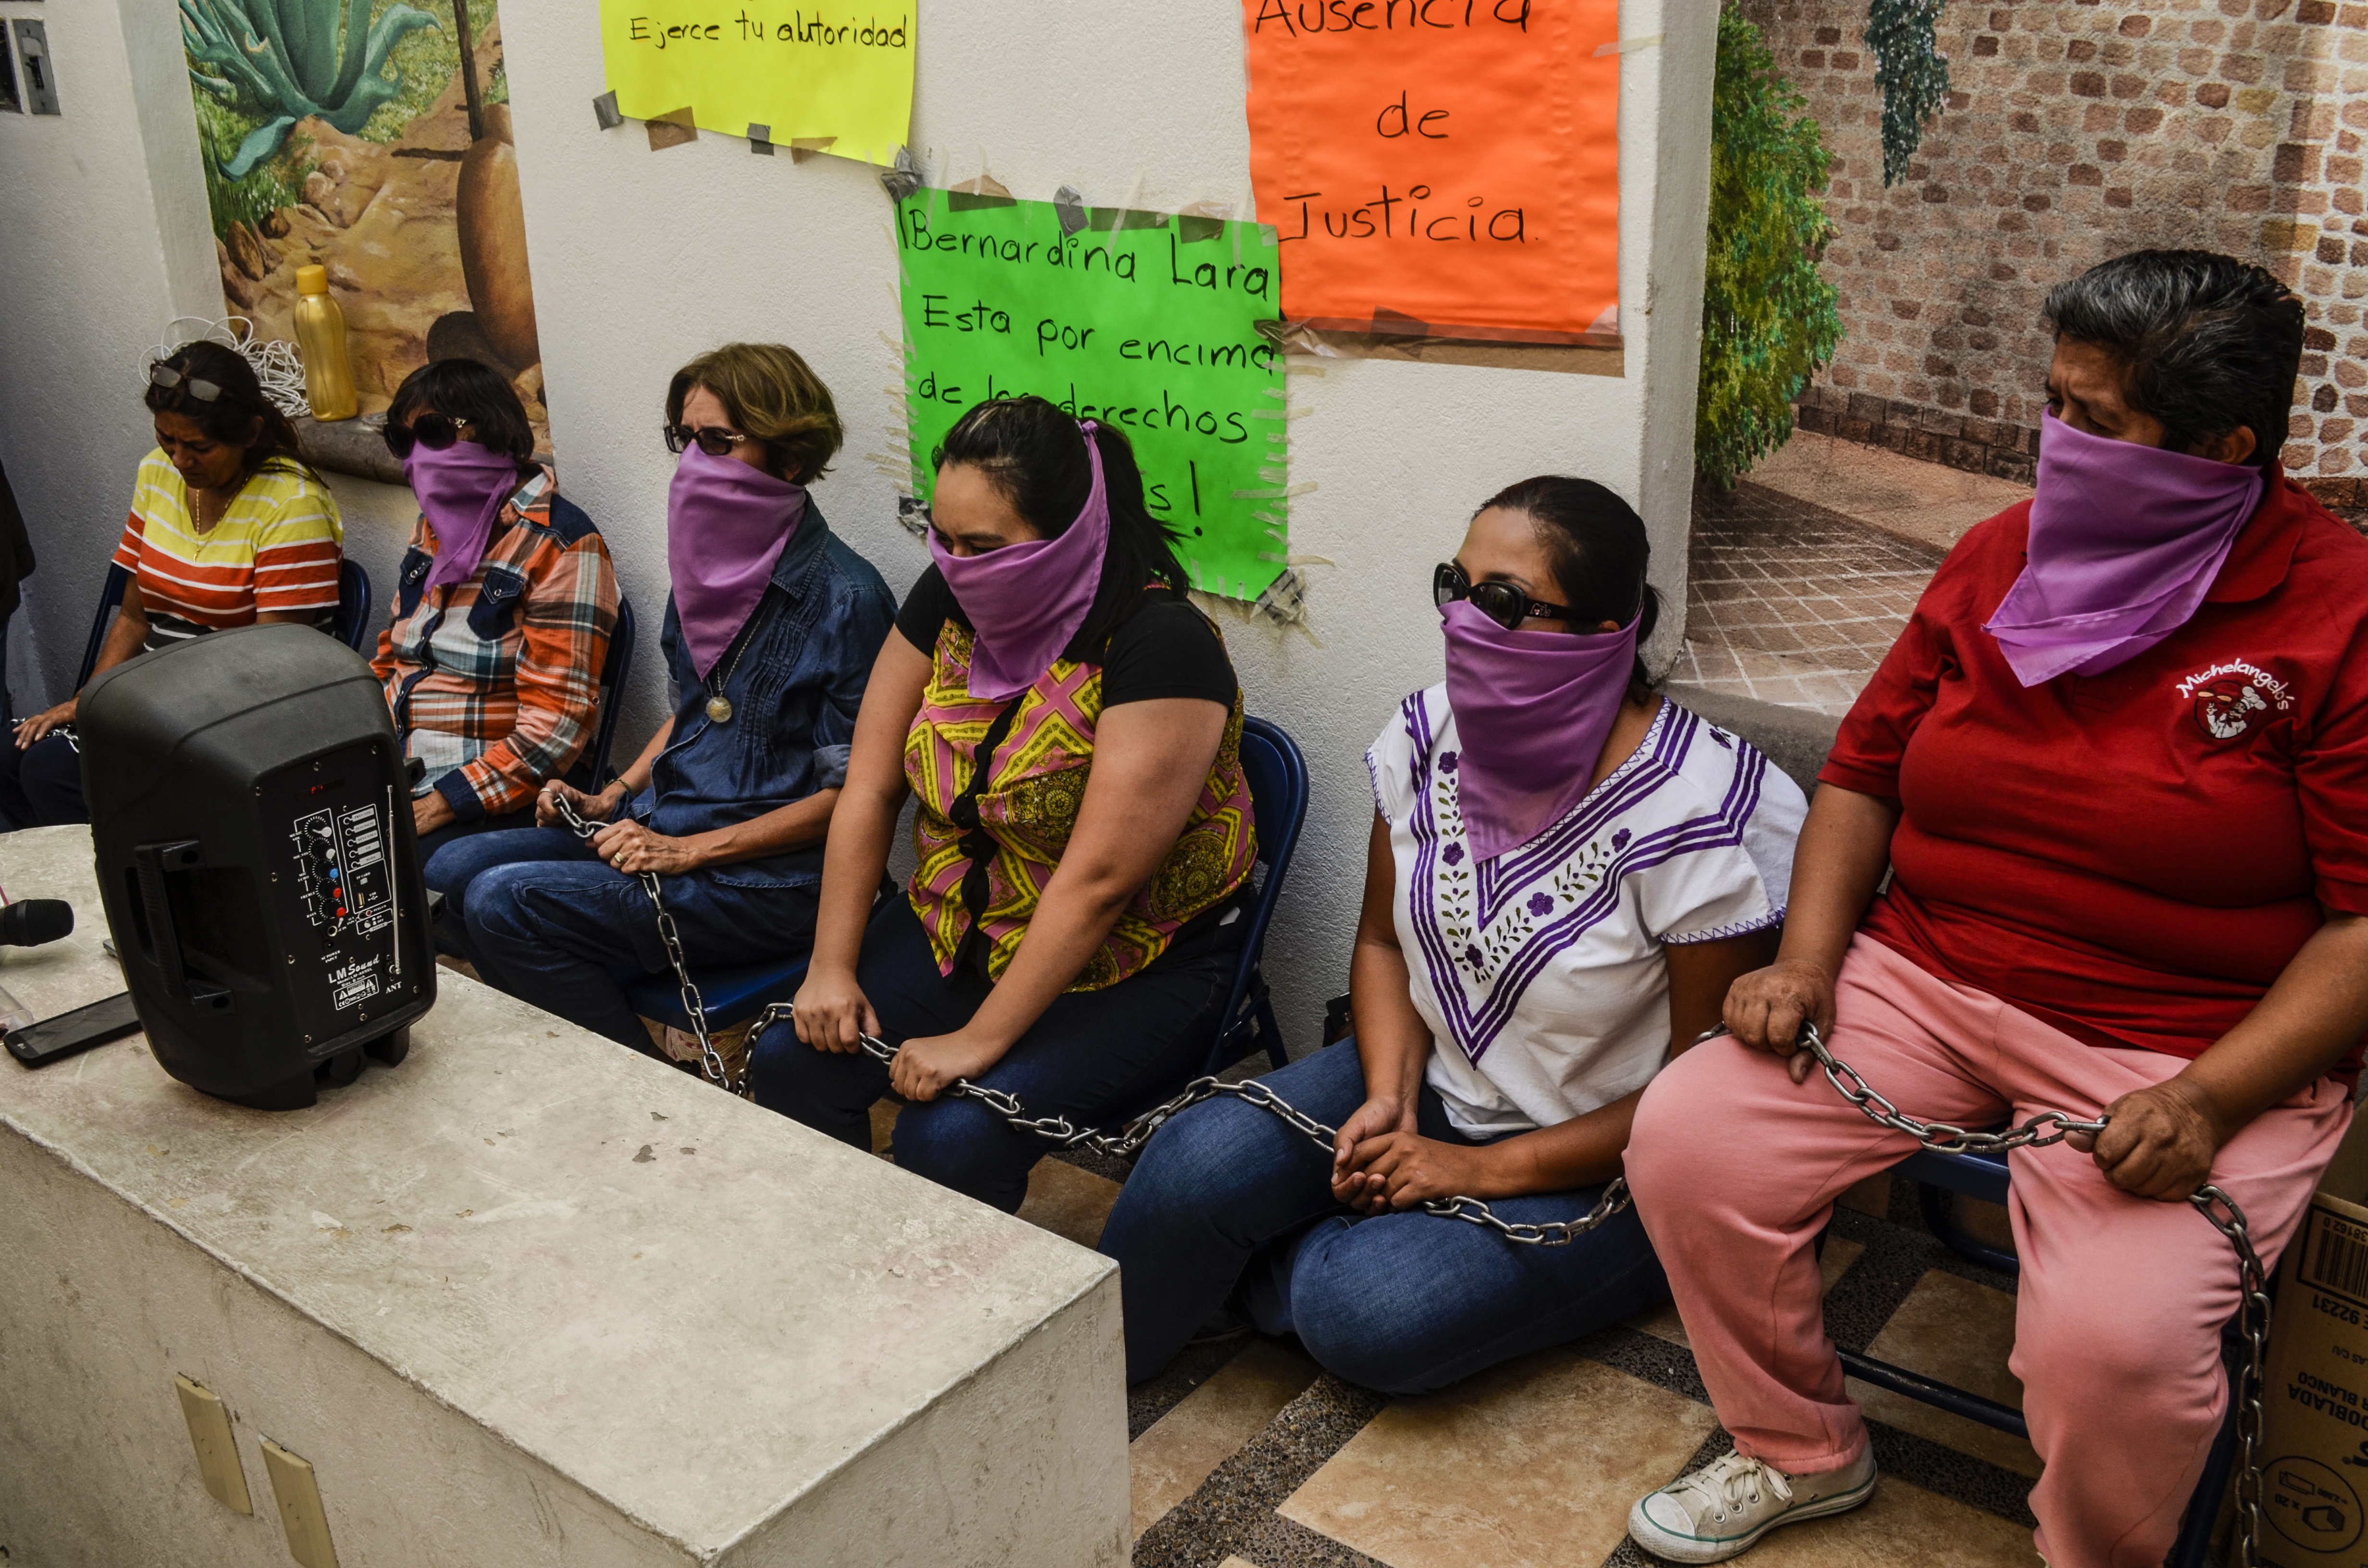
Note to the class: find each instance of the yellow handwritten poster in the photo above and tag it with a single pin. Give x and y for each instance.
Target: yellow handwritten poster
(803, 74)
(1449, 167)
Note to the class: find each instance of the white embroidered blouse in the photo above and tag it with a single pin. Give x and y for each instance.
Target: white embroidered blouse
(1539, 974)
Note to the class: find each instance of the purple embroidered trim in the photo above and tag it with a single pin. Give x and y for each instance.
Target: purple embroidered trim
(1475, 1030)
(1720, 933)
(1633, 779)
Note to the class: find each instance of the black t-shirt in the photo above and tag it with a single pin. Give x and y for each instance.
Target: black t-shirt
(1167, 648)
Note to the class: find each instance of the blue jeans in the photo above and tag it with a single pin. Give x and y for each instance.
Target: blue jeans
(40, 786)
(432, 843)
(545, 919)
(1228, 1202)
(1096, 1057)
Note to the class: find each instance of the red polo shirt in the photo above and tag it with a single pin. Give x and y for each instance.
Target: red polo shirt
(2135, 857)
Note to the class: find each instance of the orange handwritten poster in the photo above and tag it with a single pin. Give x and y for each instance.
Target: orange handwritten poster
(1449, 167)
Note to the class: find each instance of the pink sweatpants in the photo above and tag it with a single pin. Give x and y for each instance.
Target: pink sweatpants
(2118, 1314)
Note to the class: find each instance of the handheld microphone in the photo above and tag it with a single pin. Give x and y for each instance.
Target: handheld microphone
(35, 921)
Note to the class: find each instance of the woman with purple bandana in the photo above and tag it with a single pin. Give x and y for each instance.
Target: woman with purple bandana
(769, 631)
(1071, 727)
(1566, 872)
(503, 607)
(2094, 840)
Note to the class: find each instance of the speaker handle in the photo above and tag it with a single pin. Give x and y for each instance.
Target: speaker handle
(151, 861)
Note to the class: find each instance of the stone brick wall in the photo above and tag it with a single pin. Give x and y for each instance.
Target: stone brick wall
(2077, 130)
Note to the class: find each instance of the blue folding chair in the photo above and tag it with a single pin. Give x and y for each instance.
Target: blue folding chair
(613, 673)
(1938, 1177)
(1277, 775)
(110, 599)
(350, 624)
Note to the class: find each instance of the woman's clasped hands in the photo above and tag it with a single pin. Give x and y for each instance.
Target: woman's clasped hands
(1381, 1164)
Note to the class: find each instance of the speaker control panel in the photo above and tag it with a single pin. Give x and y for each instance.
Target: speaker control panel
(338, 880)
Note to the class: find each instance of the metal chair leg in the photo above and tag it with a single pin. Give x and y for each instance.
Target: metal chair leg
(1270, 1031)
(1940, 1217)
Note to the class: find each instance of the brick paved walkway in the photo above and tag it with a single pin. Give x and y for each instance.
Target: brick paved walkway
(1791, 602)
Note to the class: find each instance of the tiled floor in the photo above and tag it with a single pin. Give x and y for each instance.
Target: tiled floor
(1248, 1455)
(1801, 577)
(1791, 602)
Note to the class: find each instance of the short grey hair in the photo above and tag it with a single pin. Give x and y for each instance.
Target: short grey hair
(2208, 343)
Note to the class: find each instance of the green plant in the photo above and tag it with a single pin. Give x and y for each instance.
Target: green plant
(425, 63)
(1912, 72)
(274, 183)
(284, 59)
(1769, 318)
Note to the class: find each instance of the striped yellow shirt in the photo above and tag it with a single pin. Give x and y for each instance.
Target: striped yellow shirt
(275, 551)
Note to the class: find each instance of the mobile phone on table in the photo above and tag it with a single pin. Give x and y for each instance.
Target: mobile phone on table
(54, 1040)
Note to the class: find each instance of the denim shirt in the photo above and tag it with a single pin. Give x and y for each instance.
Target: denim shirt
(797, 675)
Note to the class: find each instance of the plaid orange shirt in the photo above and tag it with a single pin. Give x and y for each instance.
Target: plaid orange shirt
(495, 682)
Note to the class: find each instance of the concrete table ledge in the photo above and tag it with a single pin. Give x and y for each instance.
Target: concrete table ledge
(527, 1298)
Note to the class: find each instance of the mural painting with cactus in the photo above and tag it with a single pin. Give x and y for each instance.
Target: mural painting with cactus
(372, 138)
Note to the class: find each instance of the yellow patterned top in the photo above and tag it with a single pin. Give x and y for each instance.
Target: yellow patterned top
(1029, 807)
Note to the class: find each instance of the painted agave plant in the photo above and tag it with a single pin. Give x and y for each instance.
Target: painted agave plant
(288, 59)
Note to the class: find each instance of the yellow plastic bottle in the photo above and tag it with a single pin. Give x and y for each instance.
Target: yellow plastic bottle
(320, 342)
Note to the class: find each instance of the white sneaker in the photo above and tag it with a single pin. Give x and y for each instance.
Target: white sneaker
(1722, 1510)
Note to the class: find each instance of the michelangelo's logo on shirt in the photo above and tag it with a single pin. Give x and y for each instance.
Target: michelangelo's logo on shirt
(2229, 698)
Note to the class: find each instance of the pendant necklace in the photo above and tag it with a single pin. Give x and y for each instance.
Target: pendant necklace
(718, 706)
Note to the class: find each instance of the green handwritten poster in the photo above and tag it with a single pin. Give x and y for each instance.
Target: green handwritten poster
(1144, 322)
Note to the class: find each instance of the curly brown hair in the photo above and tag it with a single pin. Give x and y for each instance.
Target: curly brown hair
(773, 395)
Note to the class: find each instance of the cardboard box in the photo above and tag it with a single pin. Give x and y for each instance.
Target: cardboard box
(2314, 1396)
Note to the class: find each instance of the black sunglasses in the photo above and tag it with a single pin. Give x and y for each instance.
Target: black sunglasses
(431, 431)
(712, 439)
(1501, 602)
(160, 374)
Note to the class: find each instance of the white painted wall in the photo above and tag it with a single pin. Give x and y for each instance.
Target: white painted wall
(104, 240)
(641, 260)
(644, 260)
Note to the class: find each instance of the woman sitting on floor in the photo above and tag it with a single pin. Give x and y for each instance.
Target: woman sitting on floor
(1073, 728)
(501, 619)
(1564, 874)
(2116, 767)
(773, 623)
(228, 528)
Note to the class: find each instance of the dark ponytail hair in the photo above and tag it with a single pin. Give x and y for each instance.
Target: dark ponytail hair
(1035, 457)
(229, 418)
(1596, 544)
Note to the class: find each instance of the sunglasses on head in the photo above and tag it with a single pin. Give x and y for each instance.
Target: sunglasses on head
(712, 439)
(1501, 602)
(161, 374)
(431, 431)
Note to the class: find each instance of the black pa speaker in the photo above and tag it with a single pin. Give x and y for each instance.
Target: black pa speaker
(252, 817)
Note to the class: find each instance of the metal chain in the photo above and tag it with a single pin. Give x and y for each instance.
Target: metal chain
(1128, 1138)
(712, 1065)
(2218, 1208)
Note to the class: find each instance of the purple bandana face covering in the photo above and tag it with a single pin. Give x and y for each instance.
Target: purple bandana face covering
(1026, 601)
(1531, 712)
(727, 524)
(2126, 540)
(461, 490)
